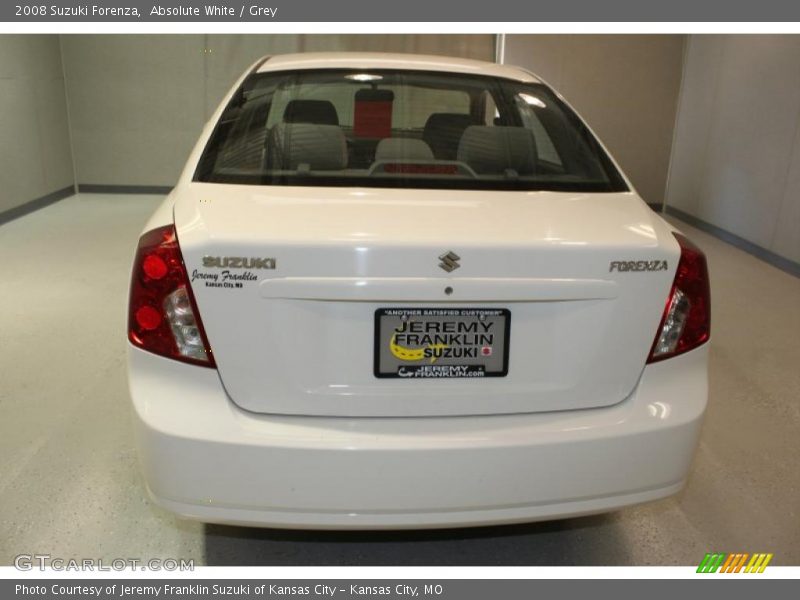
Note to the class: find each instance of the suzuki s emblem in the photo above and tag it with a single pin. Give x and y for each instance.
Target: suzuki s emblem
(449, 261)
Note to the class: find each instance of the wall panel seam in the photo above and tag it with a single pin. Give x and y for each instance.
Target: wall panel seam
(69, 116)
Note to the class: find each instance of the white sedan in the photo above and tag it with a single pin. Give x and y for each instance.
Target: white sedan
(396, 291)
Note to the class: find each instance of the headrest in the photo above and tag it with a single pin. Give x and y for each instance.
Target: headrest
(371, 95)
(319, 112)
(495, 150)
(448, 121)
(403, 149)
(442, 132)
(321, 147)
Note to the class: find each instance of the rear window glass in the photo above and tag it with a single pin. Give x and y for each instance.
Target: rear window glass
(381, 128)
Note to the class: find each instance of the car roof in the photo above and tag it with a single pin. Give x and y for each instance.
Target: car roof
(381, 60)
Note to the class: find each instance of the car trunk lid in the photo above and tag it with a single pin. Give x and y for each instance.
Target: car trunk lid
(291, 283)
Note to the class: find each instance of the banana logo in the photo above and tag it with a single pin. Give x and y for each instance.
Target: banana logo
(412, 354)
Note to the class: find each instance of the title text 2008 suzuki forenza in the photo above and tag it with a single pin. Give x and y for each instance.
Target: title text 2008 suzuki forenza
(395, 291)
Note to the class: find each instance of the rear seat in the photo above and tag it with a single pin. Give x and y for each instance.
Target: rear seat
(403, 149)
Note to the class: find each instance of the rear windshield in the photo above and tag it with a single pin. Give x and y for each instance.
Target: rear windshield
(382, 128)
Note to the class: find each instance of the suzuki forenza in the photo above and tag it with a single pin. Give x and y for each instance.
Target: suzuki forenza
(395, 291)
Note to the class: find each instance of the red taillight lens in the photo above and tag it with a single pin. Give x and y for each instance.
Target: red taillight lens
(686, 323)
(162, 314)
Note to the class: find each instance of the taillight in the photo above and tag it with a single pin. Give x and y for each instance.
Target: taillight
(686, 323)
(162, 314)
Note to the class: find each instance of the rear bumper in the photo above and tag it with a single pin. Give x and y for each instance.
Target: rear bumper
(204, 458)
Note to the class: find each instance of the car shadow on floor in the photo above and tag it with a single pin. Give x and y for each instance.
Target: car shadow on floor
(594, 540)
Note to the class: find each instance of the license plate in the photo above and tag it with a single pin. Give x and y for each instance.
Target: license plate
(425, 343)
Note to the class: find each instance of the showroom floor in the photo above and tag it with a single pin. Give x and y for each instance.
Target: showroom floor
(69, 484)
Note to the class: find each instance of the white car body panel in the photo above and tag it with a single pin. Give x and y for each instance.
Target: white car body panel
(297, 352)
(387, 60)
(293, 430)
(204, 458)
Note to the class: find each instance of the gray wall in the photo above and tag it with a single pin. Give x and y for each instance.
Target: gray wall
(138, 103)
(625, 86)
(736, 157)
(35, 158)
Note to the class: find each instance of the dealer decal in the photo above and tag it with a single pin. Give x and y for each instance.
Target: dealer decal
(223, 279)
(230, 277)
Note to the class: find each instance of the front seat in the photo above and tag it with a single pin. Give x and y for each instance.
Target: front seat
(317, 112)
(443, 131)
(306, 147)
(498, 150)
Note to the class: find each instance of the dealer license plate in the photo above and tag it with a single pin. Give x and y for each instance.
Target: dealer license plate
(423, 343)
